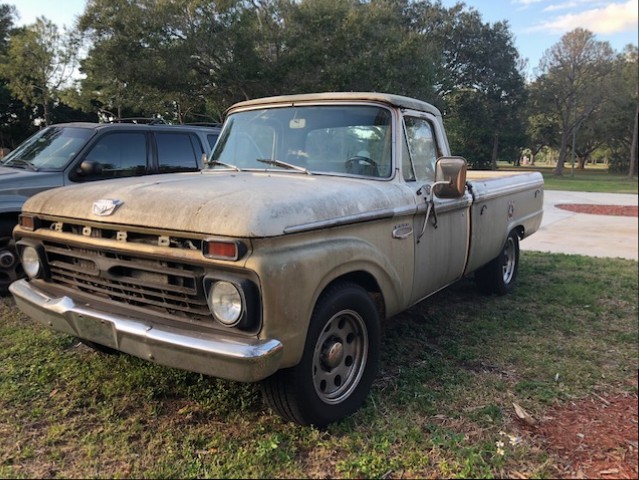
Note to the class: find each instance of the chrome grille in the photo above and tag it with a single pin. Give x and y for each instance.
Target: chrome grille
(170, 288)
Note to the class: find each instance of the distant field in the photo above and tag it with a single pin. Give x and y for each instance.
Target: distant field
(591, 179)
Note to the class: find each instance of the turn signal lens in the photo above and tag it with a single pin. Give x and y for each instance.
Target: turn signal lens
(223, 250)
(27, 222)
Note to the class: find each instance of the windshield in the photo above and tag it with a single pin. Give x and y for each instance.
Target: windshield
(49, 149)
(340, 139)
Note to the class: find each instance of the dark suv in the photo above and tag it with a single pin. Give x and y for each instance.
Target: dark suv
(68, 153)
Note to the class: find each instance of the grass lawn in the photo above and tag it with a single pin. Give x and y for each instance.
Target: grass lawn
(591, 179)
(451, 369)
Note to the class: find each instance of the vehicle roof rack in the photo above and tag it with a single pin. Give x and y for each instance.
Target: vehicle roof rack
(141, 120)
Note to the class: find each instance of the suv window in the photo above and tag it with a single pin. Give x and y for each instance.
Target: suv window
(121, 154)
(212, 138)
(178, 152)
(49, 149)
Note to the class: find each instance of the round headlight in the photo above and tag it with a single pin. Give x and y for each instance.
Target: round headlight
(225, 302)
(31, 262)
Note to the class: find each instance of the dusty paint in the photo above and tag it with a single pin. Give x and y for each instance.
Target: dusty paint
(302, 232)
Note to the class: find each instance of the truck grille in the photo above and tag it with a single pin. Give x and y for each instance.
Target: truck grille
(171, 289)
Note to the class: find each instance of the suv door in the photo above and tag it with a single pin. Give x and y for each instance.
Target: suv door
(178, 151)
(115, 155)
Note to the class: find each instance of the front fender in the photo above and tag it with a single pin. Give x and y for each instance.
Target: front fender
(11, 203)
(292, 278)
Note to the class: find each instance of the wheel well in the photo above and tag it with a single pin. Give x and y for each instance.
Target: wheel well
(368, 283)
(520, 231)
(8, 220)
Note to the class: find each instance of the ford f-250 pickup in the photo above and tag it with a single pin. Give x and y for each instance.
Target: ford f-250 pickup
(317, 217)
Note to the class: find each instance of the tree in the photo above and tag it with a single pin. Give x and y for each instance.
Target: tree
(39, 63)
(623, 112)
(574, 72)
(483, 88)
(15, 121)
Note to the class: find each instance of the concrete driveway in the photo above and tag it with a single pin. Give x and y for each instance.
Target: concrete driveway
(568, 232)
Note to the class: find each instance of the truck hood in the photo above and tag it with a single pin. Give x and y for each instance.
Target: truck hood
(237, 204)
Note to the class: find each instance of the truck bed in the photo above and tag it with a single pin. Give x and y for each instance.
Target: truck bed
(502, 201)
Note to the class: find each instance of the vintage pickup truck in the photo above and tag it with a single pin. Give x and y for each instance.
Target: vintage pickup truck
(317, 217)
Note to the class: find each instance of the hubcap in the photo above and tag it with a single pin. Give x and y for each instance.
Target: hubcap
(10, 267)
(340, 357)
(7, 259)
(509, 261)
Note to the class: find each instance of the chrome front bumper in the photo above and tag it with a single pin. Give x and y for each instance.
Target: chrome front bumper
(216, 354)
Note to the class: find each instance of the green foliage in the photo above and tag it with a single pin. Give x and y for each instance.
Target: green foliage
(588, 180)
(39, 62)
(189, 60)
(575, 82)
(483, 90)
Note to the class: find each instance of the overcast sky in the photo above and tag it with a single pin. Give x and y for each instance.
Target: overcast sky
(536, 24)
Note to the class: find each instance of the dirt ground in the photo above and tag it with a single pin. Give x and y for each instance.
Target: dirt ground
(616, 210)
(595, 437)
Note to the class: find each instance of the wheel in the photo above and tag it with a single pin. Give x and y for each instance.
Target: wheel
(360, 165)
(10, 267)
(500, 274)
(339, 363)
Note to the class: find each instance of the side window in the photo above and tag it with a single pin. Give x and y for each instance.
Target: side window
(421, 144)
(177, 152)
(407, 165)
(119, 155)
(212, 138)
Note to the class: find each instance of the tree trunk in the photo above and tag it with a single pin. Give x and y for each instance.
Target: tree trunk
(45, 110)
(632, 171)
(563, 153)
(495, 151)
(581, 163)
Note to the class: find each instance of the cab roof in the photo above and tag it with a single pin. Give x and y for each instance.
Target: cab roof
(397, 101)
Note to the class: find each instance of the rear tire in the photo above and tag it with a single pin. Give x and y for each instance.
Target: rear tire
(500, 274)
(339, 362)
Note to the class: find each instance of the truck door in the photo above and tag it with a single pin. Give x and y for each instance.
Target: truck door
(441, 234)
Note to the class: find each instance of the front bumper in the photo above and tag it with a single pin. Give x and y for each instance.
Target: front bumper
(216, 354)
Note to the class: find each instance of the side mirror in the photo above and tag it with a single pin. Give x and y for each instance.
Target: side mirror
(88, 168)
(450, 177)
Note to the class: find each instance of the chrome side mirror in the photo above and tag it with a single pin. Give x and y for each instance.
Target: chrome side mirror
(450, 177)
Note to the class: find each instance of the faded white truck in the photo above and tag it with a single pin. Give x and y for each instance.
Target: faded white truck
(317, 217)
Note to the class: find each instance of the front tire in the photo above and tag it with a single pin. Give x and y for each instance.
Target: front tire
(339, 362)
(500, 274)
(10, 266)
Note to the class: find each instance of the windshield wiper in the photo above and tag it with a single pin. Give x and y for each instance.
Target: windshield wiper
(20, 161)
(280, 163)
(227, 165)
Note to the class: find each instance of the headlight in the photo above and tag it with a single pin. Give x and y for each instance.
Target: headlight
(225, 302)
(31, 262)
